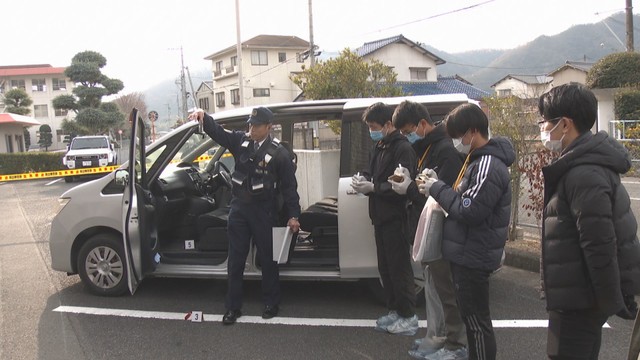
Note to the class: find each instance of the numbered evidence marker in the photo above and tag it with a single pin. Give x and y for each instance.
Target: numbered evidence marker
(189, 244)
(194, 316)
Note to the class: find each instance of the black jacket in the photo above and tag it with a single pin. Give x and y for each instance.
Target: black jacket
(590, 251)
(384, 204)
(479, 209)
(437, 153)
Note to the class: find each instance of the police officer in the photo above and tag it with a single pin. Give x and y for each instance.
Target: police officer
(263, 179)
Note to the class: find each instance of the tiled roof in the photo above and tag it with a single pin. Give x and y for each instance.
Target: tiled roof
(527, 79)
(6, 118)
(374, 46)
(444, 85)
(266, 41)
(21, 70)
(578, 65)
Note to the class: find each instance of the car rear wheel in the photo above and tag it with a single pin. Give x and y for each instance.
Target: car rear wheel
(376, 288)
(101, 265)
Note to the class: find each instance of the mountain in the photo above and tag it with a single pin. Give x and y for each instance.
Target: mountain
(588, 42)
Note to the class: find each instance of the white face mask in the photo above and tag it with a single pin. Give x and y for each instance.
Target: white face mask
(553, 145)
(465, 149)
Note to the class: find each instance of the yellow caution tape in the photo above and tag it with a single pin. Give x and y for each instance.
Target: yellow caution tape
(58, 173)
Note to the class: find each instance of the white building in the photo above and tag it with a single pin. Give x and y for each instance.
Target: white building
(42, 83)
(267, 63)
(522, 86)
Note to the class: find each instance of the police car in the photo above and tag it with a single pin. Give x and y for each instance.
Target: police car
(165, 214)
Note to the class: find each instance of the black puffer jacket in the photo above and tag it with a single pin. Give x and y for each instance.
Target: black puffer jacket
(479, 209)
(590, 251)
(384, 204)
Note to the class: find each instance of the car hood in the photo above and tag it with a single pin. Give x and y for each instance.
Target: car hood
(88, 151)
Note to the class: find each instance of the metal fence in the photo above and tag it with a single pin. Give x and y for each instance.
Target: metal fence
(627, 132)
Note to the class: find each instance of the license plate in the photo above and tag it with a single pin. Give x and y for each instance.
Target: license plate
(86, 163)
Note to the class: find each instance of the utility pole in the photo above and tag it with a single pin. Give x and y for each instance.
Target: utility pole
(312, 53)
(239, 56)
(183, 86)
(629, 23)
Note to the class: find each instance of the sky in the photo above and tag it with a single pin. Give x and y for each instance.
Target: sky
(142, 39)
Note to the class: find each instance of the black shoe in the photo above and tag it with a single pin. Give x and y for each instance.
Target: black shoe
(231, 316)
(270, 311)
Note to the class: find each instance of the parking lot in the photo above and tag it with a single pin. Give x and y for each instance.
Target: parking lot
(48, 315)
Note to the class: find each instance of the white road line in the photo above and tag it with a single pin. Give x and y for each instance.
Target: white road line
(631, 182)
(162, 315)
(52, 182)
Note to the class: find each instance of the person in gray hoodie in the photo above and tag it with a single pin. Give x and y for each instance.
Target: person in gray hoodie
(475, 231)
(590, 250)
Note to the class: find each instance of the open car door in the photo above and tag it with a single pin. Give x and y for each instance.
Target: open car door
(138, 212)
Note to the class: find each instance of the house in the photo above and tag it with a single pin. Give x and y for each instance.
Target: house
(12, 132)
(42, 82)
(570, 72)
(522, 86)
(444, 85)
(204, 96)
(267, 62)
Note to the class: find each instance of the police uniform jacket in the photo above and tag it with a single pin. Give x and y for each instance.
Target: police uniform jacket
(386, 205)
(265, 175)
(590, 251)
(479, 209)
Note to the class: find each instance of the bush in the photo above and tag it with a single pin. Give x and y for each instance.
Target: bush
(20, 163)
(614, 71)
(627, 104)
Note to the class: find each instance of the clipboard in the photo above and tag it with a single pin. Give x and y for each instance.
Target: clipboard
(282, 237)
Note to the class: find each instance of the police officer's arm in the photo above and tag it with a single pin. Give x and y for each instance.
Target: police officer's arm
(228, 139)
(288, 185)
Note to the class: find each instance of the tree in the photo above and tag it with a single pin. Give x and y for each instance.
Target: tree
(92, 116)
(45, 137)
(27, 138)
(347, 76)
(17, 101)
(129, 101)
(614, 71)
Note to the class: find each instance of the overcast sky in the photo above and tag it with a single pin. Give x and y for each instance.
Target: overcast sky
(141, 39)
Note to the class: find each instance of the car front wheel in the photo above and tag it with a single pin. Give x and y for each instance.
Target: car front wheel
(101, 265)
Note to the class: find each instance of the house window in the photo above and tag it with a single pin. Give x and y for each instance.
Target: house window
(504, 92)
(261, 92)
(204, 104)
(235, 96)
(18, 84)
(59, 84)
(299, 57)
(40, 111)
(9, 141)
(220, 99)
(234, 60)
(418, 73)
(282, 57)
(61, 112)
(259, 57)
(38, 85)
(1, 87)
(218, 66)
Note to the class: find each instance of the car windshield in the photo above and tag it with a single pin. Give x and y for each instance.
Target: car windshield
(89, 143)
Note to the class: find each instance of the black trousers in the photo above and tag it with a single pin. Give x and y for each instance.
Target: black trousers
(574, 334)
(472, 294)
(394, 265)
(249, 221)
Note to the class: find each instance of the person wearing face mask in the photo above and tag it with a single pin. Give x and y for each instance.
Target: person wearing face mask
(387, 211)
(590, 251)
(475, 231)
(435, 151)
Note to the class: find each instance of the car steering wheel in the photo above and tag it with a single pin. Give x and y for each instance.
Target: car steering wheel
(222, 172)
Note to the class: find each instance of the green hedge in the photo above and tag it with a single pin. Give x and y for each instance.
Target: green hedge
(627, 104)
(20, 163)
(614, 71)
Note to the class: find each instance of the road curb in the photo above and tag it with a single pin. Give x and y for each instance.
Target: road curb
(520, 259)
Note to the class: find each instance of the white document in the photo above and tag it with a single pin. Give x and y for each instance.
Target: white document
(282, 237)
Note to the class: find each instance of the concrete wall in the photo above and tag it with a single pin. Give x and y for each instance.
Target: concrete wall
(13, 130)
(317, 175)
(569, 75)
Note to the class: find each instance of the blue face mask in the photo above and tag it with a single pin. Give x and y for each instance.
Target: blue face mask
(413, 137)
(376, 135)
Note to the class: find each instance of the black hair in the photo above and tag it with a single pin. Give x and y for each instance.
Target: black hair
(409, 112)
(574, 101)
(378, 113)
(467, 117)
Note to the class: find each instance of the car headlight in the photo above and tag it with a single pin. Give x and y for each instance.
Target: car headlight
(71, 158)
(62, 201)
(104, 156)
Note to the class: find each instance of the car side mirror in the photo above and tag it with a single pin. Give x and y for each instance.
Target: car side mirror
(122, 177)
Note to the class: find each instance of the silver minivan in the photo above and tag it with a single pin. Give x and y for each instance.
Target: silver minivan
(164, 214)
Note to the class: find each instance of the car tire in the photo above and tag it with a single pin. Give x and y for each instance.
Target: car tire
(375, 286)
(102, 265)
(68, 179)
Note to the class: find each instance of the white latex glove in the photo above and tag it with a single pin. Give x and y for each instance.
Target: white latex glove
(430, 173)
(357, 178)
(363, 187)
(424, 187)
(401, 187)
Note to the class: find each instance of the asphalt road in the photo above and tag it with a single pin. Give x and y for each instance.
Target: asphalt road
(32, 325)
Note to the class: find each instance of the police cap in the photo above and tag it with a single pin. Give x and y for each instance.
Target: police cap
(260, 115)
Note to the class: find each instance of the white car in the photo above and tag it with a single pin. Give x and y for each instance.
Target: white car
(168, 217)
(89, 151)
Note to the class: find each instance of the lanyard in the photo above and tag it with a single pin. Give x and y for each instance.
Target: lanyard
(423, 157)
(461, 173)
